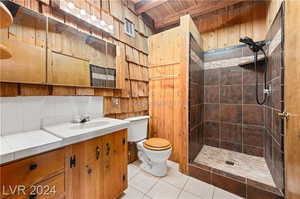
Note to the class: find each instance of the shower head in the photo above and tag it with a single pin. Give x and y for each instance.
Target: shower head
(247, 40)
(254, 46)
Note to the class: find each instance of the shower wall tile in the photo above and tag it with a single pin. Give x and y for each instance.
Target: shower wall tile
(253, 136)
(249, 93)
(212, 130)
(211, 77)
(249, 74)
(231, 94)
(231, 76)
(212, 94)
(253, 114)
(231, 113)
(212, 112)
(231, 133)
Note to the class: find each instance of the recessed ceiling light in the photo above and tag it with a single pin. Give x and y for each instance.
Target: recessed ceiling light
(71, 5)
(94, 18)
(82, 12)
(102, 23)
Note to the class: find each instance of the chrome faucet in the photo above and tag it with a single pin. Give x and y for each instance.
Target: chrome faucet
(84, 119)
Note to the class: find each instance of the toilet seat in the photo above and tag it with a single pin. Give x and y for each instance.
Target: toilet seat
(157, 144)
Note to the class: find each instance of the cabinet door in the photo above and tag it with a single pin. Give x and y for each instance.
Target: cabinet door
(68, 71)
(84, 170)
(115, 164)
(27, 64)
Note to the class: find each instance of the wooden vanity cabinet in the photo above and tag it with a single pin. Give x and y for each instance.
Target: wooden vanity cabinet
(93, 169)
(97, 168)
(42, 173)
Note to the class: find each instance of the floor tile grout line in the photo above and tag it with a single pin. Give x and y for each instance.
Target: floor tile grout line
(182, 189)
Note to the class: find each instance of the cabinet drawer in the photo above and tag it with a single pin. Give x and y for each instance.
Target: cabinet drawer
(31, 170)
(53, 188)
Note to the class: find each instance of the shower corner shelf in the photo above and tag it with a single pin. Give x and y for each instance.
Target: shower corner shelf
(260, 60)
(6, 18)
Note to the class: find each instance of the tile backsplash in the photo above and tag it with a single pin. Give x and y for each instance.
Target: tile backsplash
(20, 114)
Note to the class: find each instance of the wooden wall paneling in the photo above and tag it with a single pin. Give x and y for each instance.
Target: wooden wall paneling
(129, 53)
(116, 29)
(105, 5)
(107, 18)
(259, 16)
(135, 71)
(134, 88)
(8, 89)
(103, 92)
(131, 17)
(111, 115)
(117, 93)
(145, 74)
(136, 58)
(115, 105)
(121, 116)
(120, 67)
(63, 91)
(32, 63)
(224, 27)
(124, 105)
(141, 26)
(85, 91)
(107, 105)
(126, 92)
(163, 44)
(117, 9)
(111, 55)
(33, 90)
(127, 70)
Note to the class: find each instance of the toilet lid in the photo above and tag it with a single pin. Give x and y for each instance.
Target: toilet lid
(157, 144)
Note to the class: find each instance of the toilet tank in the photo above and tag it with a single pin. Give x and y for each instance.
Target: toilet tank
(138, 128)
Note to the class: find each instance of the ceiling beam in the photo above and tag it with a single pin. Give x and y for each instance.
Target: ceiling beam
(145, 5)
(201, 8)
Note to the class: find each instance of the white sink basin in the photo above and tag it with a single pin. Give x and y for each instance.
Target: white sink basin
(89, 125)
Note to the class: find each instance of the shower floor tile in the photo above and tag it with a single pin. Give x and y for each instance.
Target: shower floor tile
(247, 166)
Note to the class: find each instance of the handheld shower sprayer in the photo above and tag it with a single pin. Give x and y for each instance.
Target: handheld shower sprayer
(256, 47)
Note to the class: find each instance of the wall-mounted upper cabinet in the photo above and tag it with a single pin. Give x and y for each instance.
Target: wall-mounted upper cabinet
(26, 40)
(54, 53)
(67, 71)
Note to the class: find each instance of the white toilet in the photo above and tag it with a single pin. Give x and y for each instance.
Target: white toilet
(153, 152)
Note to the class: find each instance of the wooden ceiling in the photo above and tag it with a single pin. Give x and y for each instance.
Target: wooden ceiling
(165, 13)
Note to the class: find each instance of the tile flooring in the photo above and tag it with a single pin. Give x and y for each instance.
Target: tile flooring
(174, 185)
(247, 166)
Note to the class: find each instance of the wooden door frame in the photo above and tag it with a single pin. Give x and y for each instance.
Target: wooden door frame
(292, 98)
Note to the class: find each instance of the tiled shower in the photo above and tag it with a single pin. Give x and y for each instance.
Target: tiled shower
(231, 123)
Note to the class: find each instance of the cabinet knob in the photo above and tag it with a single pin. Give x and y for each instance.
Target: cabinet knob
(107, 149)
(33, 167)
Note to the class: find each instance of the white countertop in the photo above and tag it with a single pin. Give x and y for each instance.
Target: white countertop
(21, 145)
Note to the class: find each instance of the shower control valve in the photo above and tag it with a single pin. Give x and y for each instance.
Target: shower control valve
(268, 91)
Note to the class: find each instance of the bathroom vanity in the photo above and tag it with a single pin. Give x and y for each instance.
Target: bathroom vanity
(88, 161)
